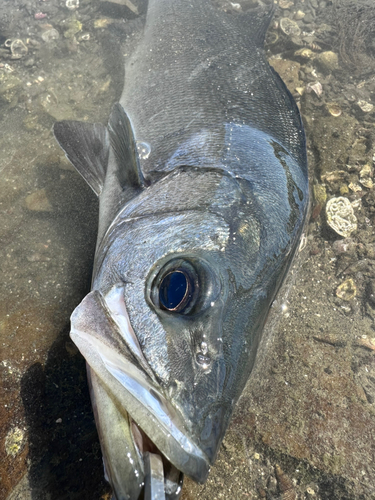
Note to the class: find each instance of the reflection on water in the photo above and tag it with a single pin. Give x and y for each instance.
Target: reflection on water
(305, 425)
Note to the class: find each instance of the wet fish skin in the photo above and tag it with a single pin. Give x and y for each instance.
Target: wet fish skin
(201, 171)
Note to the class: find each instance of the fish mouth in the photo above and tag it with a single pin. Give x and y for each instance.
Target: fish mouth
(101, 330)
(162, 479)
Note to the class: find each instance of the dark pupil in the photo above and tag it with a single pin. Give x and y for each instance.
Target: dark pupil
(173, 290)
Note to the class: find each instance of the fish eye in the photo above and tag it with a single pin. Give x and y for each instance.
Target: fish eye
(175, 291)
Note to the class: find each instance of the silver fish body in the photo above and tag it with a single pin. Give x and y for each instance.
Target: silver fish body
(202, 179)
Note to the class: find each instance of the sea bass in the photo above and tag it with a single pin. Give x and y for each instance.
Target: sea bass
(201, 175)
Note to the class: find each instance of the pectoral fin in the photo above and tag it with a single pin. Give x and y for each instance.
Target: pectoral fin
(86, 146)
(125, 150)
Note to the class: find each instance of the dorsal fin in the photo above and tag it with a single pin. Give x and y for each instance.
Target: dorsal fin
(86, 146)
(125, 150)
(261, 18)
(256, 21)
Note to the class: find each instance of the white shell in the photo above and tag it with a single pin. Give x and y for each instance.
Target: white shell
(340, 216)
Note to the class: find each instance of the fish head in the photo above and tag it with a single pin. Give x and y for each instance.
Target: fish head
(181, 290)
(176, 286)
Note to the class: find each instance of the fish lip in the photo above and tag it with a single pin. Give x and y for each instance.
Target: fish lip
(132, 388)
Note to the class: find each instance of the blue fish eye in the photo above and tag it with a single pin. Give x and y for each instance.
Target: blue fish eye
(175, 291)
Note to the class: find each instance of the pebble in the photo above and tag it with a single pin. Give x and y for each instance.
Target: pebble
(327, 61)
(299, 15)
(365, 106)
(308, 18)
(347, 290)
(346, 245)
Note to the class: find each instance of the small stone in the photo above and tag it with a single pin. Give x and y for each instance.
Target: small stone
(320, 194)
(344, 189)
(74, 26)
(345, 246)
(327, 61)
(356, 188)
(299, 15)
(367, 183)
(102, 23)
(365, 106)
(366, 171)
(38, 202)
(340, 216)
(308, 18)
(15, 441)
(365, 177)
(285, 4)
(305, 53)
(347, 290)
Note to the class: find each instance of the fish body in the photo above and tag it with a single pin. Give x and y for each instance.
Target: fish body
(202, 181)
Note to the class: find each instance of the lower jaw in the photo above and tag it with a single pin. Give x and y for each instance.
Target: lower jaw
(158, 469)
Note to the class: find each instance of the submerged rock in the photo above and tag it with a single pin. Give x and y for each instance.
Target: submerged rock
(38, 202)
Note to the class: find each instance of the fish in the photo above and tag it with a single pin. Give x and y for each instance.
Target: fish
(202, 180)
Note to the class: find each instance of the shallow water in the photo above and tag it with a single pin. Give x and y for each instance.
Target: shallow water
(304, 427)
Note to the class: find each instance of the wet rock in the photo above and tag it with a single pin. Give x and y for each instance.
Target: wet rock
(336, 180)
(9, 83)
(15, 441)
(308, 18)
(57, 110)
(345, 246)
(327, 61)
(73, 27)
(333, 138)
(38, 202)
(50, 35)
(289, 72)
